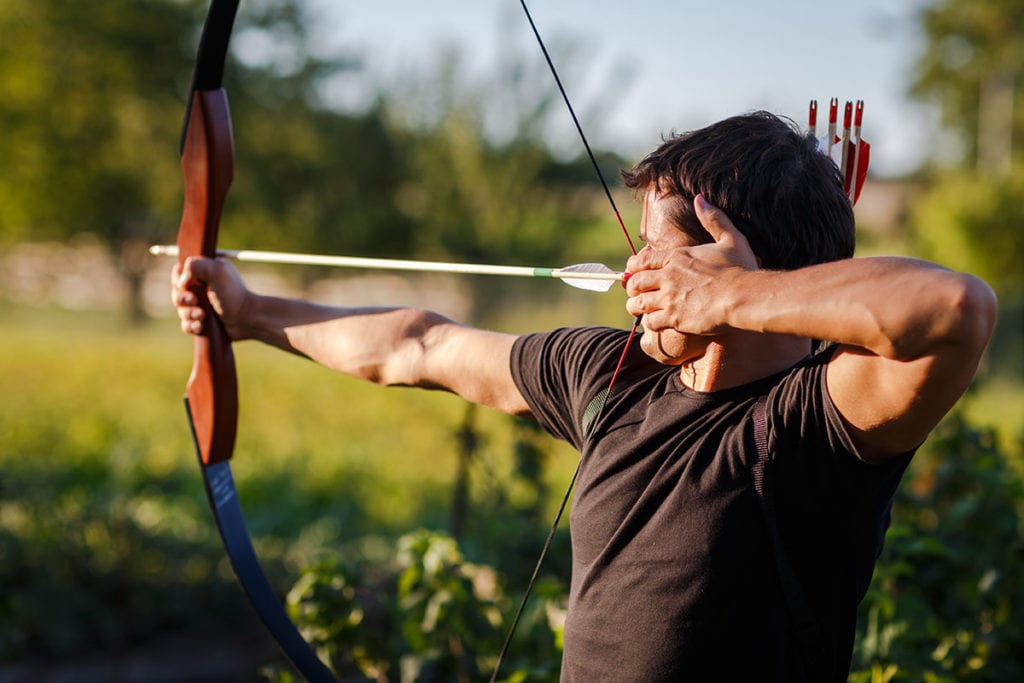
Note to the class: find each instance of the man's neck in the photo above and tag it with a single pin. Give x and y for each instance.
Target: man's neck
(744, 358)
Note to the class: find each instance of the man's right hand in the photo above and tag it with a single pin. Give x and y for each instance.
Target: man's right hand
(228, 295)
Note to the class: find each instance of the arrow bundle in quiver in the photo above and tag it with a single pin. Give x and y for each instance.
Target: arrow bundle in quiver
(847, 148)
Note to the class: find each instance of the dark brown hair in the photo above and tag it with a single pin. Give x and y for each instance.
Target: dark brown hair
(784, 195)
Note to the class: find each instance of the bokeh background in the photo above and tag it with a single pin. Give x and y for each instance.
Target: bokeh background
(401, 526)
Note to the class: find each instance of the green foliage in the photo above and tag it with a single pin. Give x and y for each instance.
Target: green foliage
(328, 602)
(947, 600)
(448, 617)
(91, 102)
(435, 617)
(84, 101)
(970, 222)
(481, 196)
(105, 539)
(971, 47)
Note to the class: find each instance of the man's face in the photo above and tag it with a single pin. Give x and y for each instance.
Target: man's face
(656, 228)
(658, 232)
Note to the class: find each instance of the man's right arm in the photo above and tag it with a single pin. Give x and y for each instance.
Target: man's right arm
(387, 346)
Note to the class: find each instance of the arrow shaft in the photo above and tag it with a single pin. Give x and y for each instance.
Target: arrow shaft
(254, 256)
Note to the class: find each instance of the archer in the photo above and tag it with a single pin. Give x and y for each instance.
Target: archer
(736, 484)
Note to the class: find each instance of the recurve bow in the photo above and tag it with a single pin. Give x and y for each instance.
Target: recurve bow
(211, 401)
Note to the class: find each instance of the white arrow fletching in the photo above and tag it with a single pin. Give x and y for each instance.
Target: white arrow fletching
(594, 277)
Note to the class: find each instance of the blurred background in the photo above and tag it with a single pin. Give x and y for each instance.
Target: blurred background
(401, 526)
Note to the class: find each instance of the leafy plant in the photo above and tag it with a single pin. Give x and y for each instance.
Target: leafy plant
(431, 617)
(947, 600)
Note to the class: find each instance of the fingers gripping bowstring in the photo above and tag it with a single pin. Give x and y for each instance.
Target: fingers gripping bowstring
(618, 367)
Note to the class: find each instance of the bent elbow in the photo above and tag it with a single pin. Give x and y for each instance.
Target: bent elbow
(974, 309)
(978, 308)
(954, 314)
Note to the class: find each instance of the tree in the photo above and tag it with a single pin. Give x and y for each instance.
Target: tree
(91, 100)
(84, 102)
(308, 176)
(478, 195)
(973, 68)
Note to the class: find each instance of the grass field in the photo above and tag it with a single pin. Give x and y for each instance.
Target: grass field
(101, 505)
(82, 386)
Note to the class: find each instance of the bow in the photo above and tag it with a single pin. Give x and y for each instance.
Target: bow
(211, 401)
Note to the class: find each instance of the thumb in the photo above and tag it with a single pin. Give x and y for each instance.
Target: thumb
(197, 270)
(714, 220)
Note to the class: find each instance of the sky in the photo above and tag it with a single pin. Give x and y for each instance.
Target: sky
(650, 67)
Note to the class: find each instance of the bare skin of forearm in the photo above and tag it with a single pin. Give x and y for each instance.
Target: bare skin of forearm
(896, 308)
(380, 345)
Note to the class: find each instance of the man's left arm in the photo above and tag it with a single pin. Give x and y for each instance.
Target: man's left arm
(911, 334)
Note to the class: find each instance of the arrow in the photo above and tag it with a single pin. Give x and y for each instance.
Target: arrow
(854, 153)
(595, 277)
(833, 113)
(861, 155)
(844, 150)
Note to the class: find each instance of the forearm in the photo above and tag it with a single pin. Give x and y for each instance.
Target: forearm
(897, 308)
(380, 345)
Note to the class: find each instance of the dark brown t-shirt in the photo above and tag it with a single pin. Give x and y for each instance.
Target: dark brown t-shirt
(673, 574)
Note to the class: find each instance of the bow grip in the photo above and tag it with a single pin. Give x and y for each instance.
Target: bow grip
(207, 164)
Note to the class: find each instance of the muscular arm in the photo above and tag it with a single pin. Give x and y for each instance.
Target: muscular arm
(911, 336)
(910, 333)
(387, 346)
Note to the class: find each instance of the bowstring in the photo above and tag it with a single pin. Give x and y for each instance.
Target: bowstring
(618, 367)
(576, 121)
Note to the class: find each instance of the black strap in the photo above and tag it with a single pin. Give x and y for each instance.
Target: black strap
(806, 629)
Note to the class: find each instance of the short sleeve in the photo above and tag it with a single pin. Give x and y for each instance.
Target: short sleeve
(801, 411)
(560, 373)
(805, 427)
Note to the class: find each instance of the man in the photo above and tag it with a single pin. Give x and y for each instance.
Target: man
(679, 565)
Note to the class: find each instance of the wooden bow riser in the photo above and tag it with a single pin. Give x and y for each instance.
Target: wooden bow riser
(207, 162)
